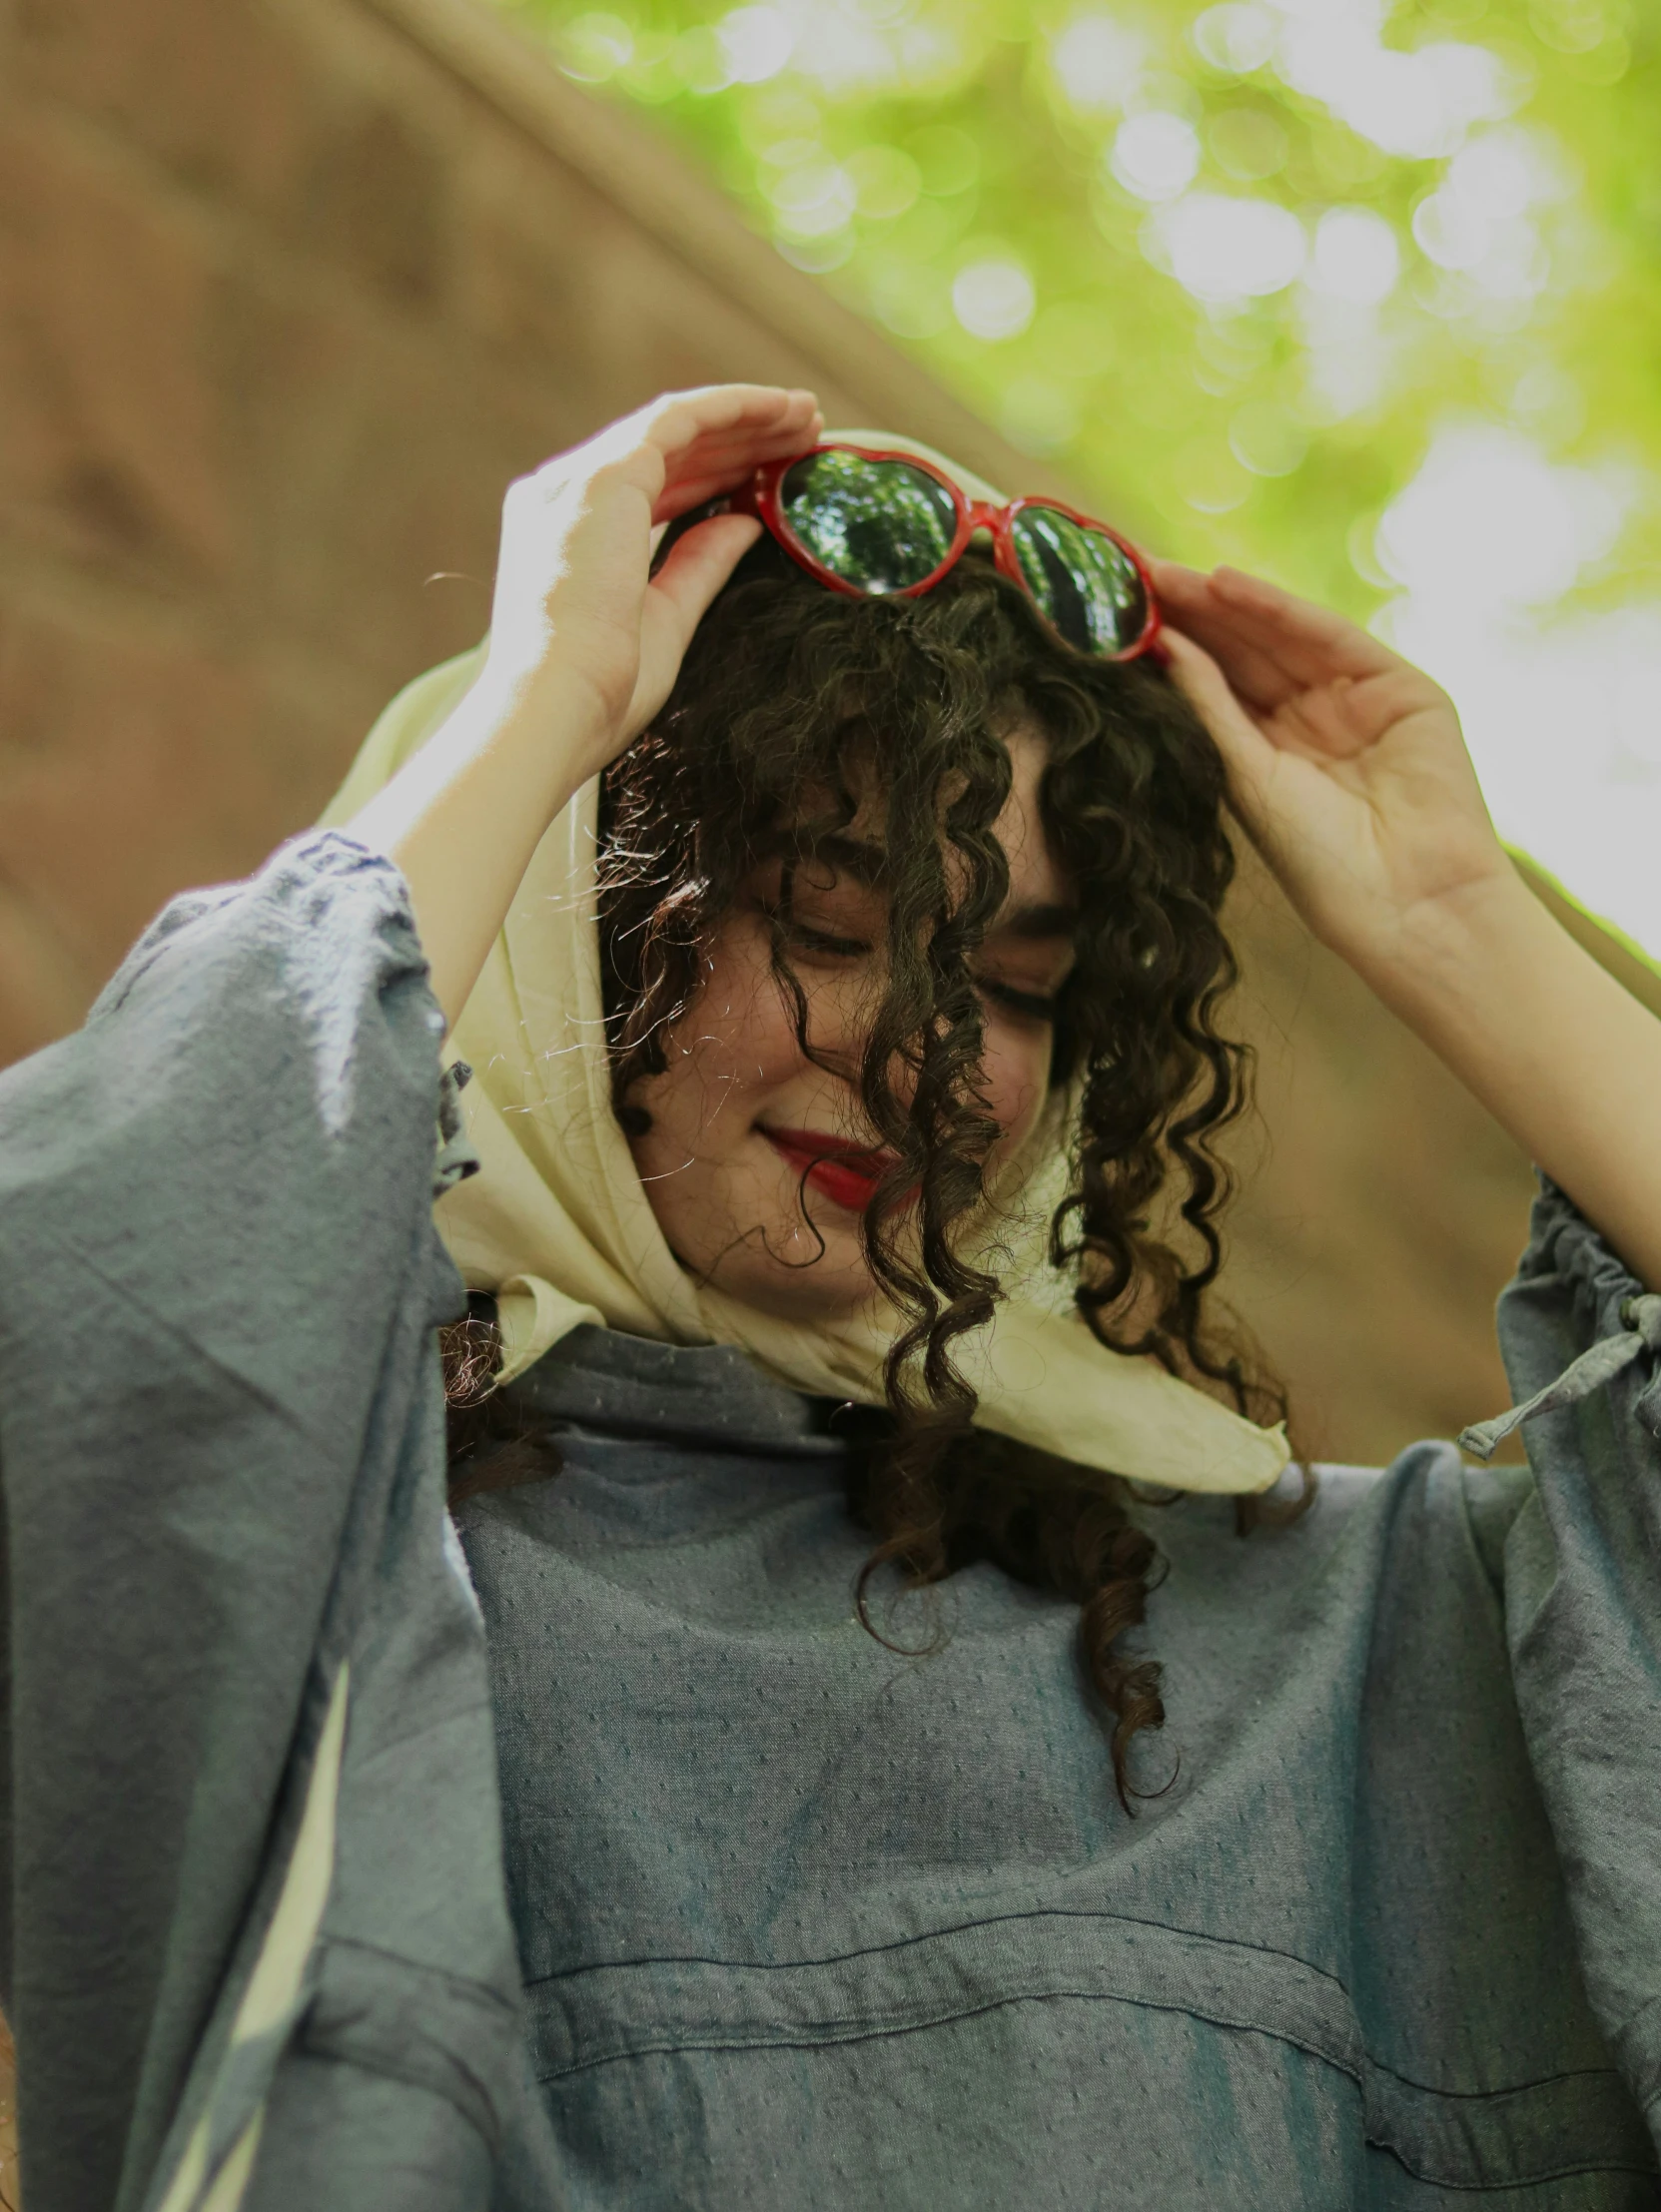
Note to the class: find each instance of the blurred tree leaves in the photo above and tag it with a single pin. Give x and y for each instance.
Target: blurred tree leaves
(1229, 267)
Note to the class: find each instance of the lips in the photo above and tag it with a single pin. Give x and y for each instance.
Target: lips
(845, 1174)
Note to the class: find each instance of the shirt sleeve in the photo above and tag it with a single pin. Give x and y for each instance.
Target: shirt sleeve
(219, 1279)
(1582, 1591)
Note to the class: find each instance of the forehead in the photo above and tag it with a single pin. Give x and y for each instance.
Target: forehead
(1042, 896)
(1035, 876)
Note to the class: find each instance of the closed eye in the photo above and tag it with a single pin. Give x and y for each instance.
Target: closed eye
(824, 942)
(1032, 1005)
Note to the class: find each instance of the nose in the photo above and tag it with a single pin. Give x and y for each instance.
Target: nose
(837, 1029)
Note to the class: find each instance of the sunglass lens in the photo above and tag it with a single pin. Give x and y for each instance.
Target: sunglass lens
(881, 525)
(1086, 585)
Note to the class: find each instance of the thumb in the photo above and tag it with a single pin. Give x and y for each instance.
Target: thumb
(699, 565)
(676, 600)
(1246, 753)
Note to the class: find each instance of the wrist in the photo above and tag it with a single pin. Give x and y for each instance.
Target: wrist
(554, 721)
(1479, 947)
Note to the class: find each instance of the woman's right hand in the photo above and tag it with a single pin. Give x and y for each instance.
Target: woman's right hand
(585, 645)
(576, 611)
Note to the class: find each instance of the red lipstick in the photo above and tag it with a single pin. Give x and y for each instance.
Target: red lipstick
(845, 1174)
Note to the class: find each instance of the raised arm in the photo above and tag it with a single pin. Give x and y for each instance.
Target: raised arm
(1349, 773)
(584, 646)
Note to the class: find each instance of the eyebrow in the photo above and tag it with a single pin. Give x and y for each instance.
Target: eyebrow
(868, 864)
(1027, 923)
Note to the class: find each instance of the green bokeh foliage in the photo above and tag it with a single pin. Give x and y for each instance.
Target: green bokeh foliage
(902, 142)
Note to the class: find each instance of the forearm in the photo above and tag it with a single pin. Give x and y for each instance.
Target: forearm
(463, 816)
(1561, 1056)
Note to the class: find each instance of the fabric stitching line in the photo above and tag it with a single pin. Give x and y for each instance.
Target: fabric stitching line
(1531, 2180)
(385, 1745)
(462, 1983)
(343, 2043)
(854, 2030)
(1524, 2181)
(1125, 1919)
(1486, 2096)
(171, 1330)
(319, 2043)
(930, 1935)
(330, 1447)
(1217, 2015)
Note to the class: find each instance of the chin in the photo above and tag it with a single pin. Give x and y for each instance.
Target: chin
(815, 1291)
(806, 1270)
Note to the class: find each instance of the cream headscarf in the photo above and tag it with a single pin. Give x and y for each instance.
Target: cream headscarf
(559, 1227)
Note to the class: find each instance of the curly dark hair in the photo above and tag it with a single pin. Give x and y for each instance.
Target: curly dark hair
(797, 708)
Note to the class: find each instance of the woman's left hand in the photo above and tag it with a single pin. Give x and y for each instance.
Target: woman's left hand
(1346, 766)
(1346, 763)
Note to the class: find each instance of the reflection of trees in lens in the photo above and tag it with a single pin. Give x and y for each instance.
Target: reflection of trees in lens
(1086, 585)
(877, 524)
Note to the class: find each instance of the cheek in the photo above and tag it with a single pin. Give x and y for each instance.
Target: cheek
(1016, 1068)
(737, 1041)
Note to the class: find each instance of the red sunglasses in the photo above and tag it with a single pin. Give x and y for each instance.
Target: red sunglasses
(876, 524)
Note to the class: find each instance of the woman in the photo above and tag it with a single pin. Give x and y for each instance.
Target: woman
(856, 1847)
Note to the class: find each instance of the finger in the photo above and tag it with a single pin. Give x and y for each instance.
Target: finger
(1302, 626)
(675, 420)
(1208, 690)
(1247, 754)
(729, 410)
(672, 415)
(684, 447)
(713, 465)
(1309, 723)
(683, 492)
(1255, 653)
(1251, 653)
(715, 404)
(723, 454)
(1198, 606)
(721, 463)
(699, 565)
(1322, 686)
(732, 410)
(729, 454)
(677, 499)
(1250, 663)
(672, 487)
(1249, 620)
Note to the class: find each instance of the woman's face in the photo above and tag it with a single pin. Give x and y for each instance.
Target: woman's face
(758, 1164)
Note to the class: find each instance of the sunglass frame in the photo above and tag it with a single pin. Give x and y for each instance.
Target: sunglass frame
(760, 497)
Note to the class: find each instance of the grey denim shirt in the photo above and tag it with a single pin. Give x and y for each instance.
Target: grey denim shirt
(658, 1882)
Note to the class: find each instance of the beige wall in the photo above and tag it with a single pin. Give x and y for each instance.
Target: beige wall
(288, 290)
(282, 305)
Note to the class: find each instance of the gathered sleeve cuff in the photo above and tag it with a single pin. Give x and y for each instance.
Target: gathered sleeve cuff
(1581, 1340)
